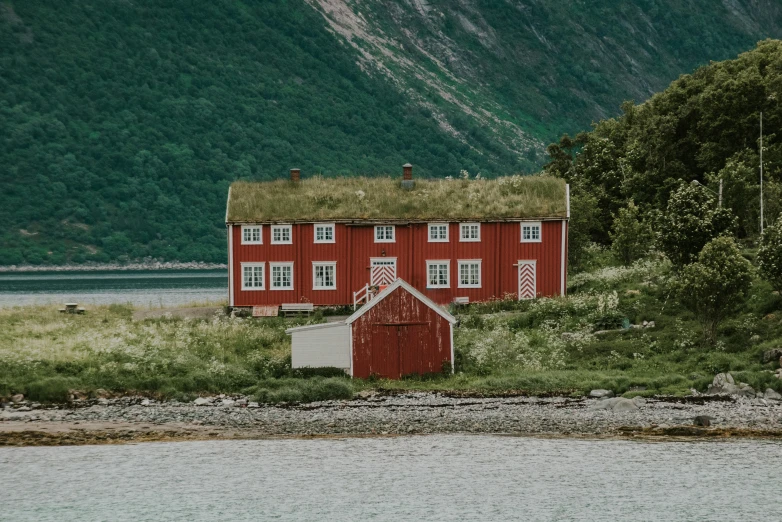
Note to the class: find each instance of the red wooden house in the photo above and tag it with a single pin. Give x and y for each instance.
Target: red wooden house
(325, 241)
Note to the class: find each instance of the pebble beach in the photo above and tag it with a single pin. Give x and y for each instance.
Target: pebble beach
(137, 419)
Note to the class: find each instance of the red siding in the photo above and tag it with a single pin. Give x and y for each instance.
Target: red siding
(399, 336)
(500, 249)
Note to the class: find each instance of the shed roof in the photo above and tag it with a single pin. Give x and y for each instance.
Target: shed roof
(318, 326)
(388, 290)
(350, 199)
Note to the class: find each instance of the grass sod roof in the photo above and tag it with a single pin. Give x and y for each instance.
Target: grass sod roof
(383, 199)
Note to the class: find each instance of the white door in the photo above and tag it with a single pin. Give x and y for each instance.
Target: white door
(527, 280)
(383, 271)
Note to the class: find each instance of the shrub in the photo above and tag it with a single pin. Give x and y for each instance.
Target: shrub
(631, 237)
(770, 254)
(51, 389)
(308, 373)
(716, 284)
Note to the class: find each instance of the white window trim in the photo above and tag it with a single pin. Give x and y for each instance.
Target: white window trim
(333, 232)
(532, 223)
(271, 276)
(469, 240)
(429, 232)
(324, 263)
(290, 235)
(393, 234)
(430, 262)
(459, 264)
(263, 277)
(259, 242)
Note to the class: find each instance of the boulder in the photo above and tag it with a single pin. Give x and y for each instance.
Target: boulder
(725, 389)
(100, 393)
(17, 398)
(772, 355)
(146, 402)
(724, 384)
(623, 404)
(600, 394)
(773, 395)
(228, 402)
(745, 390)
(202, 401)
(639, 401)
(723, 378)
(615, 404)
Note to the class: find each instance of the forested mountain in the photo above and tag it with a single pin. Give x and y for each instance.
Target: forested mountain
(122, 123)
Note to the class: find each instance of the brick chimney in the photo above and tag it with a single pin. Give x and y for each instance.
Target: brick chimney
(407, 177)
(295, 175)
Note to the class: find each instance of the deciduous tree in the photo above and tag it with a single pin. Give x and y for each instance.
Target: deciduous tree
(716, 284)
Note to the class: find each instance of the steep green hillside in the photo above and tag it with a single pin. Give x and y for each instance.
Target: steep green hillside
(123, 123)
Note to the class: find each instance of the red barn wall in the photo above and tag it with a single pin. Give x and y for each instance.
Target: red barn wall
(500, 249)
(399, 336)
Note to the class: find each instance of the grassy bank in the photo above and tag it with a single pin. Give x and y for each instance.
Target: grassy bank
(540, 347)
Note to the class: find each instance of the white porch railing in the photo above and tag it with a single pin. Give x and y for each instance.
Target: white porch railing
(363, 295)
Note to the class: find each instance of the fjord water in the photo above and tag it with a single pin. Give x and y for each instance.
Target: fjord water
(152, 288)
(437, 477)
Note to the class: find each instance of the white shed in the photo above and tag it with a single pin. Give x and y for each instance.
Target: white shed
(320, 345)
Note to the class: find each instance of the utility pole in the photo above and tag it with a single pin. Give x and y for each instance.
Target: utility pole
(761, 173)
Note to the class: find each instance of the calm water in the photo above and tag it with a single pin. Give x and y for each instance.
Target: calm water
(144, 288)
(450, 477)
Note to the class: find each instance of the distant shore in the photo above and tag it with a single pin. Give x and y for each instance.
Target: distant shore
(135, 419)
(94, 267)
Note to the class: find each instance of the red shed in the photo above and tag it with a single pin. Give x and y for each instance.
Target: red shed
(399, 332)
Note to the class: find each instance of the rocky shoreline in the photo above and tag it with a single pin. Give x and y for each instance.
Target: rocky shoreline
(94, 267)
(138, 419)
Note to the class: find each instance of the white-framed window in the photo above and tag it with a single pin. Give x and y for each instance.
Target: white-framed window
(469, 232)
(531, 232)
(469, 273)
(252, 276)
(324, 275)
(437, 275)
(281, 276)
(324, 232)
(385, 234)
(438, 232)
(252, 234)
(282, 234)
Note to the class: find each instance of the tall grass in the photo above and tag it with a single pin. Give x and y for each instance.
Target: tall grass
(322, 198)
(540, 346)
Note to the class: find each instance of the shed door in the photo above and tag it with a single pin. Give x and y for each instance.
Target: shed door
(383, 271)
(400, 349)
(385, 351)
(527, 280)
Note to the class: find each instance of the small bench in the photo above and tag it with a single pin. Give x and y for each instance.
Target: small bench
(288, 309)
(72, 308)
